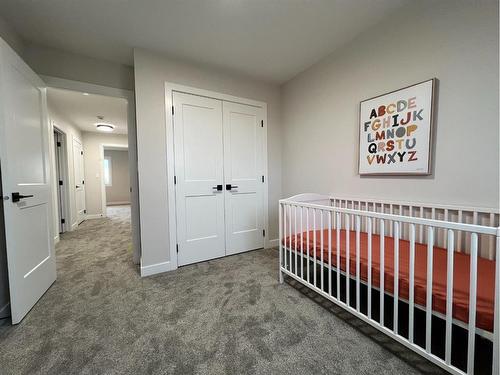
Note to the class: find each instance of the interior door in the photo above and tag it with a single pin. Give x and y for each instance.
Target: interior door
(199, 178)
(79, 180)
(244, 177)
(24, 156)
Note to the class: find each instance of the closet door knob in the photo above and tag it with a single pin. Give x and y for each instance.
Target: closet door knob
(218, 187)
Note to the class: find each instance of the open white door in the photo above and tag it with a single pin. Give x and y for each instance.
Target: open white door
(244, 177)
(24, 157)
(79, 180)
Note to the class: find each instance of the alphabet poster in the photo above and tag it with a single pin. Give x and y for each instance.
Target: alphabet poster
(395, 132)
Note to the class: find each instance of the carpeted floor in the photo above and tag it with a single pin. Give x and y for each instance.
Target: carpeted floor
(227, 316)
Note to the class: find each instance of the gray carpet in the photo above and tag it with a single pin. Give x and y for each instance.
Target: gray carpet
(227, 316)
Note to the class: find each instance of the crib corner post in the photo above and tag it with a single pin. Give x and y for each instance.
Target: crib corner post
(496, 316)
(280, 222)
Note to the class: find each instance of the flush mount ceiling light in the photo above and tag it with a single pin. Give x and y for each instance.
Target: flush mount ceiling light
(104, 126)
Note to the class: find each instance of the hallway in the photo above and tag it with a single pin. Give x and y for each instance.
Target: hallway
(226, 316)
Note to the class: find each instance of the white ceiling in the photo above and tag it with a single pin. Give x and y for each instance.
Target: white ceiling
(269, 39)
(82, 110)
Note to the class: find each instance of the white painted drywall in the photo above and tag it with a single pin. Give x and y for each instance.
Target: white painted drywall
(92, 158)
(454, 41)
(56, 63)
(71, 132)
(151, 73)
(119, 190)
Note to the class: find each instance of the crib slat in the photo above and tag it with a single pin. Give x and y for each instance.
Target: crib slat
(322, 247)
(295, 229)
(338, 254)
(449, 295)
(411, 301)
(358, 260)
(396, 277)
(347, 256)
(428, 303)
(459, 233)
(421, 229)
(301, 243)
(382, 276)
(330, 253)
(472, 304)
(307, 242)
(491, 245)
(314, 246)
(369, 229)
(290, 237)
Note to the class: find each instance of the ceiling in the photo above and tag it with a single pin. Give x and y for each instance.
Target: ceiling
(268, 39)
(82, 110)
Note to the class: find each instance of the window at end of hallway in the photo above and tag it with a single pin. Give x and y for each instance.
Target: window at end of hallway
(108, 181)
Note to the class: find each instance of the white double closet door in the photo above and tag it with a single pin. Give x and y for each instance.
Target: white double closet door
(219, 177)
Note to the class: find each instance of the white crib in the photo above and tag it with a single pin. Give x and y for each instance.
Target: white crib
(460, 235)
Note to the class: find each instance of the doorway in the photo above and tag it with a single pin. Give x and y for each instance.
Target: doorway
(60, 167)
(115, 184)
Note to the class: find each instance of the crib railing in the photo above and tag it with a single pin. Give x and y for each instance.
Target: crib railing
(298, 217)
(458, 214)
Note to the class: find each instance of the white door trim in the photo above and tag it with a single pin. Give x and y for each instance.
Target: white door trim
(108, 146)
(64, 176)
(169, 125)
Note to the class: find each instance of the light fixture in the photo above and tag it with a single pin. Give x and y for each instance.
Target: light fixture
(86, 94)
(104, 126)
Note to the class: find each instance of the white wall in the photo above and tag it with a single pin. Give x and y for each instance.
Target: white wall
(71, 132)
(454, 41)
(56, 63)
(151, 73)
(119, 190)
(92, 145)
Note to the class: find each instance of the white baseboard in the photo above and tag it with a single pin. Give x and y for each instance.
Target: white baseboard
(273, 243)
(156, 268)
(56, 239)
(5, 310)
(94, 216)
(119, 203)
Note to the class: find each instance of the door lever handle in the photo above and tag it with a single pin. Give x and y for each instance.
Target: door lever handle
(218, 187)
(229, 186)
(16, 197)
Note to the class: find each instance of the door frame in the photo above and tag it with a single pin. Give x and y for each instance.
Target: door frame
(170, 88)
(102, 147)
(62, 158)
(68, 84)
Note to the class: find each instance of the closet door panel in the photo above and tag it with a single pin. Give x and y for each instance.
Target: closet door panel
(243, 155)
(198, 169)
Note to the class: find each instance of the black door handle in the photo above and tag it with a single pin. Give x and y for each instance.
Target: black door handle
(218, 187)
(229, 186)
(16, 197)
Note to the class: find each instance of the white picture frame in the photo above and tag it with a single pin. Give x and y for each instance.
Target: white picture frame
(395, 131)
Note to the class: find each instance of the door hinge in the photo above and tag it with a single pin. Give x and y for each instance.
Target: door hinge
(84, 211)
(175, 180)
(262, 178)
(60, 182)
(130, 189)
(63, 221)
(81, 152)
(172, 110)
(177, 247)
(261, 123)
(58, 144)
(83, 182)
(263, 232)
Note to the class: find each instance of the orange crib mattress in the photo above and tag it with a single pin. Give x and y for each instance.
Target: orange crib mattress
(461, 271)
